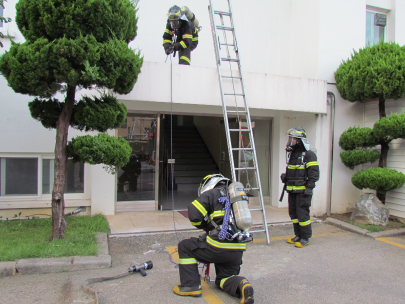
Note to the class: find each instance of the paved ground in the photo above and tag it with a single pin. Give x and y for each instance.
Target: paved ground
(337, 267)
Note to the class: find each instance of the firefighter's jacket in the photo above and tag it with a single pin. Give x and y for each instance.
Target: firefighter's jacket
(186, 36)
(204, 210)
(302, 171)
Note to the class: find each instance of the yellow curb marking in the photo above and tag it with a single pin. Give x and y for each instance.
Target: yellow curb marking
(173, 252)
(208, 294)
(386, 240)
(281, 238)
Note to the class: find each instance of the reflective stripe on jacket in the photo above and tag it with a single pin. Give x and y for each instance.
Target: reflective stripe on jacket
(301, 174)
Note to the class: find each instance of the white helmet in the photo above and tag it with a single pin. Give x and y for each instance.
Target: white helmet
(211, 181)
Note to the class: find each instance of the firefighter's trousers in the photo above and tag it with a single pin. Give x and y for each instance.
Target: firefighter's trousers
(298, 208)
(227, 264)
(185, 56)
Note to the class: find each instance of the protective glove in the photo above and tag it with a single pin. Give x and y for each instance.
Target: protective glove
(283, 178)
(169, 50)
(308, 192)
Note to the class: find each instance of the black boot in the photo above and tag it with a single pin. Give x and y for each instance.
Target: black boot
(302, 243)
(246, 292)
(293, 240)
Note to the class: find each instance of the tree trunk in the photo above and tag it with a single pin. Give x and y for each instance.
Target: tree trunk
(382, 163)
(58, 201)
(381, 197)
(381, 107)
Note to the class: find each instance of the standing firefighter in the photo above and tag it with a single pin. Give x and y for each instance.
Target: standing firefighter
(212, 212)
(301, 174)
(185, 32)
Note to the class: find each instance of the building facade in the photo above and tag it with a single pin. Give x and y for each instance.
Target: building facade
(289, 51)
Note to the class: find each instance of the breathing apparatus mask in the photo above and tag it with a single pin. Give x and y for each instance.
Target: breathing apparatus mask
(297, 138)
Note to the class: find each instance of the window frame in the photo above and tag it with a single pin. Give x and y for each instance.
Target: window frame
(377, 10)
(40, 197)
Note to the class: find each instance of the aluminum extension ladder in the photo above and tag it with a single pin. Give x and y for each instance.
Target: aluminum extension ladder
(240, 108)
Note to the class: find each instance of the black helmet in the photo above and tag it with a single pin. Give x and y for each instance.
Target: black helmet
(173, 16)
(211, 181)
(297, 137)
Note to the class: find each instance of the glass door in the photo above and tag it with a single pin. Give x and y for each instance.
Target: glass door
(136, 181)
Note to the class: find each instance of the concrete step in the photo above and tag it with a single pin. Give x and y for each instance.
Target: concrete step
(195, 167)
(182, 187)
(191, 155)
(188, 180)
(191, 161)
(201, 174)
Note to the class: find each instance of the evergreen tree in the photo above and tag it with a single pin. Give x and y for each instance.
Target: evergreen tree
(71, 45)
(376, 72)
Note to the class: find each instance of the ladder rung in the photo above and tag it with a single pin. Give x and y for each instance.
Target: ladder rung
(254, 231)
(241, 130)
(246, 149)
(248, 168)
(222, 13)
(256, 209)
(225, 28)
(232, 77)
(237, 94)
(242, 112)
(228, 44)
(230, 59)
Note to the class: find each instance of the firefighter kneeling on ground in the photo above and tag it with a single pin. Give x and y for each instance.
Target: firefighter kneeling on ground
(186, 31)
(211, 212)
(301, 174)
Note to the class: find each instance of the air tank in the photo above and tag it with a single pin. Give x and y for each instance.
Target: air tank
(185, 10)
(240, 206)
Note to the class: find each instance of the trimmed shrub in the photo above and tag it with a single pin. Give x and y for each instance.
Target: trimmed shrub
(380, 179)
(354, 158)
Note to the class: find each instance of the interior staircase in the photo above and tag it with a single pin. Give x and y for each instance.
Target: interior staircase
(193, 161)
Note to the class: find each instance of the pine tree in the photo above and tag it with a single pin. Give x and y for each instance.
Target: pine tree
(72, 45)
(375, 72)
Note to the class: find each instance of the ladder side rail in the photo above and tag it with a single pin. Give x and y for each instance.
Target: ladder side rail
(226, 123)
(214, 33)
(249, 123)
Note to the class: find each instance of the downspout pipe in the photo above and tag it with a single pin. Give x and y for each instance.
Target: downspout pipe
(332, 97)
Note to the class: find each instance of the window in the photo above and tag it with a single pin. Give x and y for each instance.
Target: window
(74, 176)
(1, 15)
(375, 27)
(20, 176)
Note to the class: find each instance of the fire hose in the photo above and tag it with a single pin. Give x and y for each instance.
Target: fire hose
(135, 267)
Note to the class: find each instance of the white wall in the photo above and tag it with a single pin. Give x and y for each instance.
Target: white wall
(347, 114)
(200, 86)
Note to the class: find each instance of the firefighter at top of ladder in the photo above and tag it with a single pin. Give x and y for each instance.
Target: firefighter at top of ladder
(181, 33)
